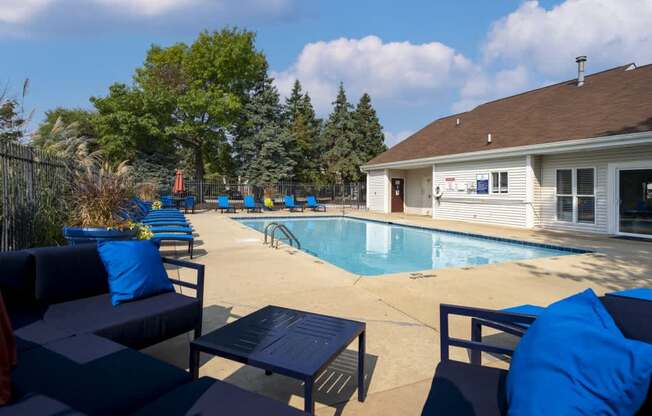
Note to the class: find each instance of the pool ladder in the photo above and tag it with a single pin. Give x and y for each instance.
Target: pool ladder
(270, 231)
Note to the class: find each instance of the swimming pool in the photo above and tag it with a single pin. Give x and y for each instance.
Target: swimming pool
(374, 248)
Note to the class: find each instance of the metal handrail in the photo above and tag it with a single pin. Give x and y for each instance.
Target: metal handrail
(288, 234)
(267, 228)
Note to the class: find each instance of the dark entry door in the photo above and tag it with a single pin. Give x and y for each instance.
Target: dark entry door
(397, 194)
(635, 202)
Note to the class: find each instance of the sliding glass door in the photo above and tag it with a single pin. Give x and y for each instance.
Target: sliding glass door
(635, 202)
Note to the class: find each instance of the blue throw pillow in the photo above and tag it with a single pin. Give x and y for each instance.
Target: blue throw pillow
(135, 270)
(575, 361)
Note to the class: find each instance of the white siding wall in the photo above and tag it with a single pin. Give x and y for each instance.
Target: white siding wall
(418, 191)
(597, 159)
(376, 190)
(503, 209)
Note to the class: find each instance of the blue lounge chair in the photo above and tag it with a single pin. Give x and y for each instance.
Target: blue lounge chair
(251, 205)
(186, 238)
(314, 205)
(291, 205)
(223, 204)
(158, 229)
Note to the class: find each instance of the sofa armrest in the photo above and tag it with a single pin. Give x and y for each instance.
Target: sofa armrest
(199, 285)
(499, 320)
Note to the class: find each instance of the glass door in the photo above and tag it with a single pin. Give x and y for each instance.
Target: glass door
(635, 200)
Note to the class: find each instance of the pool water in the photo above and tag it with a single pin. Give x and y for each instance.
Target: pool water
(374, 248)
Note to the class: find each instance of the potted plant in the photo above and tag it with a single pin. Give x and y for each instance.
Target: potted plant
(102, 198)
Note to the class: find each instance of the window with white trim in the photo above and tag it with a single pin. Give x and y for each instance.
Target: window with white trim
(576, 195)
(499, 182)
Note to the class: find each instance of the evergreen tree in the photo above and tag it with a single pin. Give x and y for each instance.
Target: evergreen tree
(339, 141)
(263, 143)
(304, 130)
(371, 140)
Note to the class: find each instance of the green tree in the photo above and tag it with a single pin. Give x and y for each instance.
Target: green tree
(203, 88)
(81, 117)
(339, 140)
(304, 129)
(262, 146)
(370, 136)
(130, 126)
(12, 117)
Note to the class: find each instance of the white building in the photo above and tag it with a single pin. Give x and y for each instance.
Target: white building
(573, 156)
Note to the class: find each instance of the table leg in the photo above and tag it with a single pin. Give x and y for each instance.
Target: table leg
(361, 355)
(476, 335)
(310, 401)
(193, 365)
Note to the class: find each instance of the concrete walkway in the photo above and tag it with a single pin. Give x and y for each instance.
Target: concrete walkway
(401, 310)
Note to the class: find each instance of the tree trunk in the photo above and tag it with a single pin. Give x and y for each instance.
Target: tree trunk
(199, 163)
(199, 173)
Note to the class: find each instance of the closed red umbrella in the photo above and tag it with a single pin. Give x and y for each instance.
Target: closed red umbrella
(178, 183)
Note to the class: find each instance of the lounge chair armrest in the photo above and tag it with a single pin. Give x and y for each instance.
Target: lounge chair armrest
(199, 285)
(502, 321)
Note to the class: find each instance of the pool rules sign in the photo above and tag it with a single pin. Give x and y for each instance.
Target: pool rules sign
(482, 183)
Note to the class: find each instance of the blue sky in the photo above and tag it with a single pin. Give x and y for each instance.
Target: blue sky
(419, 60)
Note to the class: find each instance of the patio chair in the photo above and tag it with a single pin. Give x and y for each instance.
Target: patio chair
(189, 204)
(223, 204)
(465, 389)
(251, 205)
(167, 201)
(291, 205)
(314, 205)
(268, 204)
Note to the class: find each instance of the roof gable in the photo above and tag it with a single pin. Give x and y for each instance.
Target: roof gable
(616, 101)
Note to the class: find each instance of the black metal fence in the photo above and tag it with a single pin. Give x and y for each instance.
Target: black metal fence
(33, 199)
(353, 195)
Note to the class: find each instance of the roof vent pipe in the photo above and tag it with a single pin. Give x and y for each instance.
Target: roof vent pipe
(488, 138)
(581, 60)
(458, 122)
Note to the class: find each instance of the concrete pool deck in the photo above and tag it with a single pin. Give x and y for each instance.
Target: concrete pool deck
(401, 310)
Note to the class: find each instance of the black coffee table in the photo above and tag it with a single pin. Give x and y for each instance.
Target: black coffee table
(285, 341)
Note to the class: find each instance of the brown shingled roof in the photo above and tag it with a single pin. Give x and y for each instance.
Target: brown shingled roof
(612, 102)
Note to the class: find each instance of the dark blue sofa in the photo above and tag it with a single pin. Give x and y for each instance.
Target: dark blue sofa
(77, 354)
(466, 389)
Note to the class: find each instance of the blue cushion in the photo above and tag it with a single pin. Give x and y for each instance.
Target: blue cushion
(94, 375)
(207, 396)
(134, 324)
(575, 361)
(68, 272)
(135, 270)
(637, 293)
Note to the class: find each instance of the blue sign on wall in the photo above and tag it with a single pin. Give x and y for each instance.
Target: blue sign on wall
(482, 183)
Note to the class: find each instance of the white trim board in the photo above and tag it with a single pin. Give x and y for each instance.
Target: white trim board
(565, 146)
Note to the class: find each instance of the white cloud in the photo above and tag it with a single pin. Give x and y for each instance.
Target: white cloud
(392, 138)
(51, 17)
(483, 87)
(610, 32)
(403, 72)
(149, 7)
(18, 11)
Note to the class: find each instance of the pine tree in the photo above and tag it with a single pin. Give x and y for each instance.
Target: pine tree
(264, 140)
(339, 139)
(304, 130)
(370, 136)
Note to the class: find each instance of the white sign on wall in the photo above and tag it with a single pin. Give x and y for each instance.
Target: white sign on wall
(451, 185)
